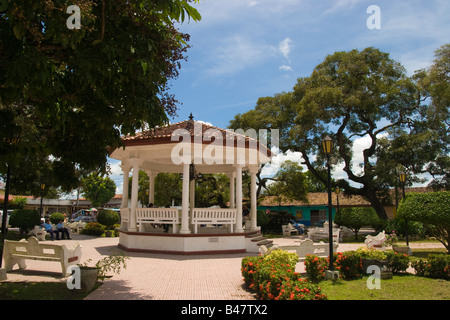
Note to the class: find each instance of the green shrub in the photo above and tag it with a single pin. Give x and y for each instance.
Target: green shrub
(56, 217)
(25, 220)
(273, 277)
(249, 266)
(315, 267)
(108, 218)
(297, 288)
(398, 262)
(93, 229)
(435, 266)
(349, 264)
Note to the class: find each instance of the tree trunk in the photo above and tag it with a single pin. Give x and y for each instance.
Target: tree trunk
(376, 204)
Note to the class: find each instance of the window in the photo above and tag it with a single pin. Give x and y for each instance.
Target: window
(299, 214)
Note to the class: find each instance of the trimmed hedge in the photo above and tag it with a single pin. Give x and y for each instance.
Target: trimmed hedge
(25, 220)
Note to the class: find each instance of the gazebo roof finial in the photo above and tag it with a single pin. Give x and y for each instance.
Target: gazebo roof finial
(191, 117)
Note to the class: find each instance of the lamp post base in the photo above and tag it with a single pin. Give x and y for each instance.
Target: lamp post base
(332, 275)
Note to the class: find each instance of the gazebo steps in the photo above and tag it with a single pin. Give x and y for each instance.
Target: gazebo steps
(257, 239)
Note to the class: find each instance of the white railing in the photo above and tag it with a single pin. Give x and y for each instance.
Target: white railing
(158, 215)
(213, 216)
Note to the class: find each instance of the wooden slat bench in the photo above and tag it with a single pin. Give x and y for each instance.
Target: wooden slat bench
(16, 252)
(213, 216)
(158, 216)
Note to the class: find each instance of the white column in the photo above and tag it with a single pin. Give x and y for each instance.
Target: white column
(253, 212)
(134, 197)
(232, 191)
(151, 189)
(238, 228)
(185, 201)
(126, 173)
(191, 196)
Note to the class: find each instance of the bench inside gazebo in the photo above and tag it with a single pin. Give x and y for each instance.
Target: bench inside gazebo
(189, 148)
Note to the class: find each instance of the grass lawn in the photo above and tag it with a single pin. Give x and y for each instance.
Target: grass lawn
(40, 291)
(400, 287)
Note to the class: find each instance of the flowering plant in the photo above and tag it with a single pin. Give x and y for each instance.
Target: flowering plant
(391, 238)
(273, 277)
(315, 267)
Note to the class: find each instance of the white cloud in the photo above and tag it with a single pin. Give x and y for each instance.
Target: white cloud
(285, 47)
(237, 53)
(285, 68)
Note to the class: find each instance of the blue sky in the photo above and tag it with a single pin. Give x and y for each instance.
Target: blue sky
(246, 49)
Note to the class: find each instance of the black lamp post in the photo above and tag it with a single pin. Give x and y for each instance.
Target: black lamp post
(42, 196)
(327, 145)
(402, 178)
(337, 191)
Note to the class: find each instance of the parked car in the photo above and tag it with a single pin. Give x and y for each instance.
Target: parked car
(84, 219)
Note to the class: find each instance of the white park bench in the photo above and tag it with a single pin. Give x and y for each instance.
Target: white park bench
(213, 216)
(76, 227)
(39, 232)
(16, 252)
(377, 241)
(308, 247)
(288, 229)
(158, 216)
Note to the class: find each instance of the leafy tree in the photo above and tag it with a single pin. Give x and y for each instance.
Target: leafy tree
(97, 189)
(168, 187)
(290, 183)
(362, 94)
(432, 209)
(79, 90)
(356, 218)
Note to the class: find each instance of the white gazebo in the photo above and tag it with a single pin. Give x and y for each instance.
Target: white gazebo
(189, 148)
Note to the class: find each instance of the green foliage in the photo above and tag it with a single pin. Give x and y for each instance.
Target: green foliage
(81, 90)
(112, 263)
(93, 229)
(356, 218)
(432, 209)
(24, 219)
(99, 190)
(315, 267)
(398, 262)
(276, 220)
(263, 219)
(349, 264)
(272, 276)
(18, 202)
(364, 93)
(435, 266)
(108, 218)
(56, 217)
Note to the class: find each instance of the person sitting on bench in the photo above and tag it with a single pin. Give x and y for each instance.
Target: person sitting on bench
(48, 227)
(60, 228)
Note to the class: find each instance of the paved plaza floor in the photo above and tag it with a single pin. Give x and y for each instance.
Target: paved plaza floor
(150, 276)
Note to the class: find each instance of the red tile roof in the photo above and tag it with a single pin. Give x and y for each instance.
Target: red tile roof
(162, 135)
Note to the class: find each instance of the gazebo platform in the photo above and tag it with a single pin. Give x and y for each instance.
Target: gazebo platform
(207, 241)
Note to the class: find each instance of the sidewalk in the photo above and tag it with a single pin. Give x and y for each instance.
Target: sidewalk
(150, 276)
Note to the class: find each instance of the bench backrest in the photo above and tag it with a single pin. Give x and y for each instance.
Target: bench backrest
(32, 247)
(156, 213)
(214, 214)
